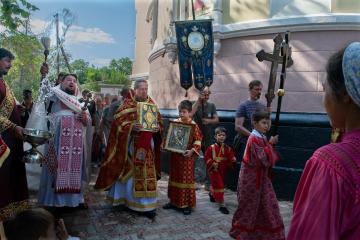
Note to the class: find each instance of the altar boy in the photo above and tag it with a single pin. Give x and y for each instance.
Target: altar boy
(181, 190)
(218, 158)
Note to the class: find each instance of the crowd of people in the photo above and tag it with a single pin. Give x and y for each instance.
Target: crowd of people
(326, 203)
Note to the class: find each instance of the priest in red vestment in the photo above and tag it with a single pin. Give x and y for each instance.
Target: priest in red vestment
(13, 185)
(131, 166)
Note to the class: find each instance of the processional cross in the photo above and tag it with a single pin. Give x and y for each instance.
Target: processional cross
(281, 55)
(85, 101)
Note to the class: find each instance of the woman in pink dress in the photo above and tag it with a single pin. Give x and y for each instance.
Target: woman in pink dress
(327, 199)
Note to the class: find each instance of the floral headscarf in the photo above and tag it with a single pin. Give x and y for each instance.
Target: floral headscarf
(351, 71)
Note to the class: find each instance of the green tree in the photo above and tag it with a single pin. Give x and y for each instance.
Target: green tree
(14, 13)
(80, 67)
(24, 73)
(117, 72)
(121, 65)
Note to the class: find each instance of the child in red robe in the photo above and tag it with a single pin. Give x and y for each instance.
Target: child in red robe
(181, 190)
(258, 214)
(218, 158)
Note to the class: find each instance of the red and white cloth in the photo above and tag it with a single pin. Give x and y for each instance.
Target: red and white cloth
(70, 156)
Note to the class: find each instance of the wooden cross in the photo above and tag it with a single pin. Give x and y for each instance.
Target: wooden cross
(86, 102)
(275, 60)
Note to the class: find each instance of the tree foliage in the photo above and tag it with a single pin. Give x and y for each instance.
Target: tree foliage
(28, 52)
(14, 13)
(117, 72)
(24, 73)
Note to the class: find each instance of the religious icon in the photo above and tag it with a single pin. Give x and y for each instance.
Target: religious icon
(179, 136)
(147, 116)
(196, 41)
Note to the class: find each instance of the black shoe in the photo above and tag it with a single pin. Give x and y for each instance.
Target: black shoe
(224, 210)
(186, 211)
(150, 214)
(212, 199)
(168, 206)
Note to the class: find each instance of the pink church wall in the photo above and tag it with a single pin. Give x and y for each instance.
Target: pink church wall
(236, 65)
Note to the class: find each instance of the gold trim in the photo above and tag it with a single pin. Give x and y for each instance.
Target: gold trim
(4, 156)
(2, 232)
(197, 142)
(144, 194)
(112, 155)
(125, 111)
(219, 159)
(118, 130)
(126, 122)
(12, 209)
(182, 206)
(218, 190)
(132, 204)
(6, 108)
(182, 185)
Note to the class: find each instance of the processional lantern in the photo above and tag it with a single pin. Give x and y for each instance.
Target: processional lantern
(195, 52)
(45, 41)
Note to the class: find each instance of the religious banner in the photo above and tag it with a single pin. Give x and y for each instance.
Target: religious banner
(195, 52)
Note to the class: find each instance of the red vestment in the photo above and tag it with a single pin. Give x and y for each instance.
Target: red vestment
(224, 156)
(181, 190)
(13, 185)
(258, 215)
(144, 163)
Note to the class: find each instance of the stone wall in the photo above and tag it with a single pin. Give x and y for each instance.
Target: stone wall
(236, 65)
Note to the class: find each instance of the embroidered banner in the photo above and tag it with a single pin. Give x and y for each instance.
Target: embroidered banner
(196, 52)
(70, 155)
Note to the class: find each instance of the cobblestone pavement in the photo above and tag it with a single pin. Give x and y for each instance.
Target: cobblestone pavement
(102, 221)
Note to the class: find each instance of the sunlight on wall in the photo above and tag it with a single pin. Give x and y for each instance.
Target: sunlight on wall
(244, 10)
(345, 6)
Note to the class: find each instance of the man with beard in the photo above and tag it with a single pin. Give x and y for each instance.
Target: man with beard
(243, 117)
(13, 185)
(131, 165)
(63, 173)
(205, 116)
(243, 125)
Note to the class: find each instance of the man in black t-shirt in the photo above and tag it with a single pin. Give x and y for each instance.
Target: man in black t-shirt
(205, 115)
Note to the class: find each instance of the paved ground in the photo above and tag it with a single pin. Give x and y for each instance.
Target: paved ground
(101, 221)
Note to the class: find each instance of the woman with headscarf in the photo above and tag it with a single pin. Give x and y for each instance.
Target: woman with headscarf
(327, 199)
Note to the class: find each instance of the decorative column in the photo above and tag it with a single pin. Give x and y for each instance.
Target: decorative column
(217, 16)
(170, 41)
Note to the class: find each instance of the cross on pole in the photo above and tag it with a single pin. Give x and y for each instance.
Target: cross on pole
(275, 60)
(86, 102)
